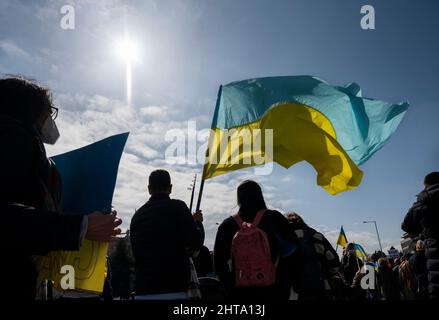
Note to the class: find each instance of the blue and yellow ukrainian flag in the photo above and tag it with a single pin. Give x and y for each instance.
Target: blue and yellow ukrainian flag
(374, 265)
(333, 128)
(342, 240)
(359, 251)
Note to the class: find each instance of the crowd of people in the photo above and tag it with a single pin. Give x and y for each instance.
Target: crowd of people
(259, 253)
(303, 263)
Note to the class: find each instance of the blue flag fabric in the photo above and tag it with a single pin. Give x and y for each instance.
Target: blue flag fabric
(89, 175)
(88, 178)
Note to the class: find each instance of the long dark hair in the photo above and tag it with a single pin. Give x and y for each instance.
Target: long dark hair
(250, 197)
(23, 99)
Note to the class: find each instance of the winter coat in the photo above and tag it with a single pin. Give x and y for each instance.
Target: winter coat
(423, 218)
(31, 229)
(161, 232)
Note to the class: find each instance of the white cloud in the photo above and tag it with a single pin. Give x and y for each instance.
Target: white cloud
(155, 112)
(86, 119)
(144, 151)
(12, 49)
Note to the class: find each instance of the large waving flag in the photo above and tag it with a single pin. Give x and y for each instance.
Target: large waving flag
(333, 128)
(342, 240)
(88, 180)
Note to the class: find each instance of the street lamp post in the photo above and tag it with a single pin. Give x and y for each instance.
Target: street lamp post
(378, 235)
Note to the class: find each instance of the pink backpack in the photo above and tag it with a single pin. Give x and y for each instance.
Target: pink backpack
(251, 254)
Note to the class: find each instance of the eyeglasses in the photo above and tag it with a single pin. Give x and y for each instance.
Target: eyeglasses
(54, 112)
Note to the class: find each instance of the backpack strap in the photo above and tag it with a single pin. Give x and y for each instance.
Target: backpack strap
(238, 220)
(258, 217)
(255, 222)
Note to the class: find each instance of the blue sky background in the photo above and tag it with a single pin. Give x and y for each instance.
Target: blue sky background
(190, 47)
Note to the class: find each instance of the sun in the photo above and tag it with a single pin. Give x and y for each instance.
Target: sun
(127, 49)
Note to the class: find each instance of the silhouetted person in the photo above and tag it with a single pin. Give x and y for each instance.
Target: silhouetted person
(203, 262)
(282, 243)
(423, 219)
(350, 264)
(320, 261)
(30, 190)
(162, 232)
(387, 285)
(418, 266)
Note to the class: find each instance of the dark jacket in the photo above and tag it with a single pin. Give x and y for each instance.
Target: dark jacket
(418, 266)
(30, 228)
(277, 228)
(161, 232)
(423, 218)
(203, 262)
(387, 284)
(350, 265)
(320, 264)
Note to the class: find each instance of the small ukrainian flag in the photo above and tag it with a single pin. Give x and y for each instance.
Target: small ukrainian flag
(359, 251)
(342, 240)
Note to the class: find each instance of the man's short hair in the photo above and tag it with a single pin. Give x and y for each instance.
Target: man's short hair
(159, 180)
(431, 178)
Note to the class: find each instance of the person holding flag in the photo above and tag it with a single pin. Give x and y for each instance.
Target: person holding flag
(360, 252)
(350, 263)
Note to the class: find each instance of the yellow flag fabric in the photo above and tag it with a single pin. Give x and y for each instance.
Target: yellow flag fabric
(342, 240)
(333, 128)
(359, 251)
(89, 264)
(299, 133)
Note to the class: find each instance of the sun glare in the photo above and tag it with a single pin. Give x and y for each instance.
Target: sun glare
(127, 50)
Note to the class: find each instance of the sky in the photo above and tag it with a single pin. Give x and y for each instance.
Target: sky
(188, 48)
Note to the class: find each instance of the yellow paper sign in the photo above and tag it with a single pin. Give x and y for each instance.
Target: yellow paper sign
(89, 264)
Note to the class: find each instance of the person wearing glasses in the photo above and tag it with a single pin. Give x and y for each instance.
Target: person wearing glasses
(29, 190)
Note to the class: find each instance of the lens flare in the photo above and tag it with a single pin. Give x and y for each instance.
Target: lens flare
(128, 51)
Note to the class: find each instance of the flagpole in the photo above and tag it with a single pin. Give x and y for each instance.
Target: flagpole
(193, 192)
(200, 194)
(356, 258)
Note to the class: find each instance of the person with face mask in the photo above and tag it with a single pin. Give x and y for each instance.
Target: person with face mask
(29, 190)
